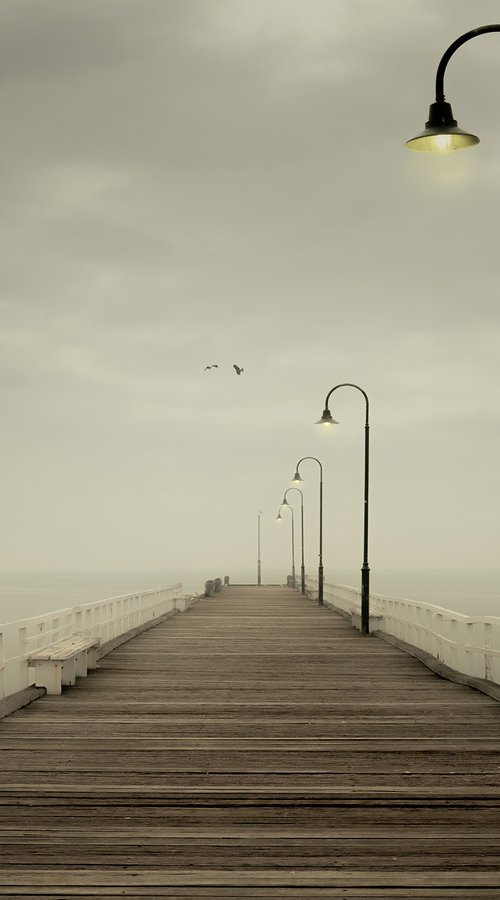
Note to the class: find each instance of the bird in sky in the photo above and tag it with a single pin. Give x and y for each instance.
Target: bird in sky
(214, 366)
(237, 369)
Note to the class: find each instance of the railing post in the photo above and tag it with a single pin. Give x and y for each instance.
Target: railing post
(22, 650)
(2, 667)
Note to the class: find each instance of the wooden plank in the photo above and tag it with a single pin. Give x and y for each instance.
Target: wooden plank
(215, 878)
(256, 744)
(197, 891)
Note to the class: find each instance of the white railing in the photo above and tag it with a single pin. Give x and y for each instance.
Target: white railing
(467, 644)
(105, 619)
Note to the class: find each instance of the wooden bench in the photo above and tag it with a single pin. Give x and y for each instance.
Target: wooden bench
(61, 662)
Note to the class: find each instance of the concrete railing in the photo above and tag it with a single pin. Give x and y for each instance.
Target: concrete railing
(104, 619)
(469, 645)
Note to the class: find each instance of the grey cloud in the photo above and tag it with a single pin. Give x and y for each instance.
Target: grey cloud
(195, 182)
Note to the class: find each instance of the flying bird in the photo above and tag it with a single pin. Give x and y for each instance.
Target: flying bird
(215, 366)
(237, 369)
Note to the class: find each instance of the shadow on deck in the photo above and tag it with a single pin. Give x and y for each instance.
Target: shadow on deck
(256, 746)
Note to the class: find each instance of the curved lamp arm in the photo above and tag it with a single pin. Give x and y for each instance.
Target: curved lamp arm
(475, 32)
(302, 460)
(442, 134)
(326, 418)
(285, 501)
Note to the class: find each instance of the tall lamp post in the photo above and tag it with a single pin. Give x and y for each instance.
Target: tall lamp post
(259, 575)
(298, 480)
(326, 420)
(442, 134)
(279, 519)
(284, 502)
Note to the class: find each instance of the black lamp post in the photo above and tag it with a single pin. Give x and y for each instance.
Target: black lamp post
(279, 519)
(284, 502)
(298, 480)
(326, 419)
(259, 575)
(442, 134)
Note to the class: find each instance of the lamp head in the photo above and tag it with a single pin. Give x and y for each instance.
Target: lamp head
(326, 418)
(297, 479)
(441, 134)
(278, 517)
(284, 502)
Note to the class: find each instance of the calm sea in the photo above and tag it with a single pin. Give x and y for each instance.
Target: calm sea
(24, 594)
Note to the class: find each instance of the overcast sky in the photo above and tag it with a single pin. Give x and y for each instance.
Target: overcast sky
(189, 182)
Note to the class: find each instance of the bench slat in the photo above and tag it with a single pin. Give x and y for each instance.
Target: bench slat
(64, 649)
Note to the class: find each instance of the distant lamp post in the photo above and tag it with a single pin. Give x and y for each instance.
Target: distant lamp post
(327, 420)
(296, 480)
(284, 502)
(280, 519)
(442, 134)
(259, 574)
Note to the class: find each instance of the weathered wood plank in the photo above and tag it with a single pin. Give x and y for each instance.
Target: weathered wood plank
(215, 878)
(255, 746)
(197, 891)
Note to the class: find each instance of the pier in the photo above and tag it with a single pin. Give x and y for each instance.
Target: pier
(255, 746)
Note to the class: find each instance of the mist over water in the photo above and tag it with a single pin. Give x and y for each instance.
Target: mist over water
(467, 592)
(25, 594)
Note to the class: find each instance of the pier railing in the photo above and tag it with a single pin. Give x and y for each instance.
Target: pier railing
(469, 645)
(103, 619)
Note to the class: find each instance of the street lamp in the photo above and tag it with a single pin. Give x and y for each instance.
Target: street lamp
(279, 519)
(442, 134)
(259, 578)
(327, 420)
(284, 502)
(298, 480)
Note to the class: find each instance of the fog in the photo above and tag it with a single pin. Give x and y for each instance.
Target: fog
(198, 182)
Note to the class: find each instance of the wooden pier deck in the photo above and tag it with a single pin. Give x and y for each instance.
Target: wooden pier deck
(255, 746)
